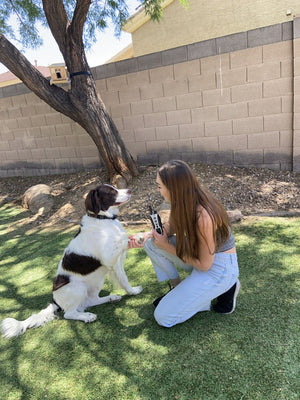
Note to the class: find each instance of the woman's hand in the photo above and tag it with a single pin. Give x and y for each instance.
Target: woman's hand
(138, 240)
(161, 241)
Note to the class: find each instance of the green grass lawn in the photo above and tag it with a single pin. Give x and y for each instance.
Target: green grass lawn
(124, 355)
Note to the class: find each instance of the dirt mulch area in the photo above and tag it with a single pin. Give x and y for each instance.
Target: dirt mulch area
(250, 190)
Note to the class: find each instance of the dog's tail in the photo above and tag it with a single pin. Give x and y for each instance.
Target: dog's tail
(11, 327)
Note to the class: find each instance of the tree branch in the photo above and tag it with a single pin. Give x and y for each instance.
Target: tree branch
(58, 21)
(79, 18)
(18, 64)
(68, 34)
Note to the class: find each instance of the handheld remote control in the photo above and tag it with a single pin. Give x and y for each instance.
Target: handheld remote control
(156, 221)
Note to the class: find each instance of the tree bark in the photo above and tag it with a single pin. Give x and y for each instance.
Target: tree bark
(81, 103)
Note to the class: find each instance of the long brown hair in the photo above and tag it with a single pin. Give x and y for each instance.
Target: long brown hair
(186, 195)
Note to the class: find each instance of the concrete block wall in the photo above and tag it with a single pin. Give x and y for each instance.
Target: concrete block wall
(296, 102)
(230, 101)
(36, 140)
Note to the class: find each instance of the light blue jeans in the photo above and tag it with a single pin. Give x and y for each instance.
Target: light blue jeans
(194, 293)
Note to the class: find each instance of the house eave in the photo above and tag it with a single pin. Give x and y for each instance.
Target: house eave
(140, 18)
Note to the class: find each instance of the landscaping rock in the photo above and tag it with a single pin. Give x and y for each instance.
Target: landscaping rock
(235, 215)
(38, 199)
(250, 190)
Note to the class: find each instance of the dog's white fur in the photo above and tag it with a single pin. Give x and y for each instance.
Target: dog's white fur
(102, 239)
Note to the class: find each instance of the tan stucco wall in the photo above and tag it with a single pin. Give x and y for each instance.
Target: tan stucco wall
(206, 19)
(124, 54)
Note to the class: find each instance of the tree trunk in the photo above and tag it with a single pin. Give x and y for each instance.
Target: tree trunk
(90, 111)
(91, 114)
(81, 103)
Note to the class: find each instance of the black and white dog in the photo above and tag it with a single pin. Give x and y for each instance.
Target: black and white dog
(98, 249)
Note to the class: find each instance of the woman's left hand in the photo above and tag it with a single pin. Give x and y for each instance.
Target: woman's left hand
(138, 240)
(161, 241)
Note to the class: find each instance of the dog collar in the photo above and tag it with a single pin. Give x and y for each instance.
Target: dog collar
(105, 217)
(99, 216)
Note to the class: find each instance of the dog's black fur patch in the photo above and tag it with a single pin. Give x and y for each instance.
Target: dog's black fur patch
(59, 281)
(80, 264)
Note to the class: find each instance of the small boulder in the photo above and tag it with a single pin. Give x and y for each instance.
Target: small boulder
(235, 215)
(38, 199)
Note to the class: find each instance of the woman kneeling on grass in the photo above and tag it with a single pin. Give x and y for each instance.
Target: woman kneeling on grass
(198, 239)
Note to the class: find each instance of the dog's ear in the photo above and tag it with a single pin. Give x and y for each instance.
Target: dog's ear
(92, 202)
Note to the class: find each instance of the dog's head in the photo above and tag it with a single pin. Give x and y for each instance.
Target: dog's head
(105, 199)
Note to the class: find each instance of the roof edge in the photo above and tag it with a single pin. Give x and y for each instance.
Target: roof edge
(140, 18)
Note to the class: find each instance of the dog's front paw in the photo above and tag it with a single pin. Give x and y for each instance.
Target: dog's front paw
(89, 317)
(135, 290)
(114, 298)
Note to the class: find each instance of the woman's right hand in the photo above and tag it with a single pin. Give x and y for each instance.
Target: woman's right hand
(161, 241)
